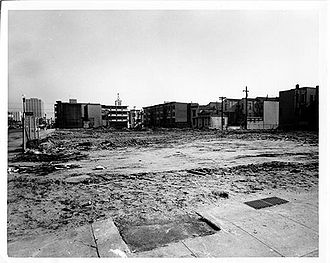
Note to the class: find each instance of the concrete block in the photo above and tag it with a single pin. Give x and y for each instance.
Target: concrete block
(109, 240)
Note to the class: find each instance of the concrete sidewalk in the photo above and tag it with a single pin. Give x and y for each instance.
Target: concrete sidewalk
(100, 239)
(286, 230)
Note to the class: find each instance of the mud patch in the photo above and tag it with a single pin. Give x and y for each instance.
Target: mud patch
(156, 234)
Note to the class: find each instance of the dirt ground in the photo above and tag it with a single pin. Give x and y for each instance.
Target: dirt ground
(148, 179)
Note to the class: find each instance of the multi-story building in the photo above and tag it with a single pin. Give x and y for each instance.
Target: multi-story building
(36, 106)
(298, 108)
(15, 116)
(68, 115)
(77, 115)
(115, 116)
(168, 115)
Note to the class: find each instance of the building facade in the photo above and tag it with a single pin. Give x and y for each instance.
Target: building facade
(68, 115)
(115, 116)
(168, 115)
(92, 115)
(298, 108)
(36, 106)
(135, 118)
(269, 119)
(255, 109)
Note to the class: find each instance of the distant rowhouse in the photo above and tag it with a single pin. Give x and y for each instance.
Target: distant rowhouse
(298, 108)
(210, 116)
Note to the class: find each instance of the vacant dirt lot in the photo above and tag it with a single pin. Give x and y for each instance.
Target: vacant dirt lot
(149, 179)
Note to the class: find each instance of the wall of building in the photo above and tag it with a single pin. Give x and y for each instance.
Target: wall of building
(36, 106)
(255, 124)
(115, 116)
(68, 115)
(215, 122)
(94, 115)
(271, 113)
(298, 108)
(181, 112)
(286, 108)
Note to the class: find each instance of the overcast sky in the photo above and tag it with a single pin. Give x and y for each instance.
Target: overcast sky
(154, 56)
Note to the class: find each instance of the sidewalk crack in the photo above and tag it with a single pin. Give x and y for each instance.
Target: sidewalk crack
(95, 241)
(192, 253)
(255, 238)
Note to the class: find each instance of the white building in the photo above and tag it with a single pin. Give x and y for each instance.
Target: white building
(270, 119)
(36, 106)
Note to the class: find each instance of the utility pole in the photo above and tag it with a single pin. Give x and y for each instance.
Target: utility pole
(246, 107)
(23, 123)
(222, 98)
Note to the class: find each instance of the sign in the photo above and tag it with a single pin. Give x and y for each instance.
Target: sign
(29, 113)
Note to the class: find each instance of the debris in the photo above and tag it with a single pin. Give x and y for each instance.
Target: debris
(77, 179)
(99, 167)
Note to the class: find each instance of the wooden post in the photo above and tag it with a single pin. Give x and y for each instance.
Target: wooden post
(222, 98)
(23, 125)
(246, 107)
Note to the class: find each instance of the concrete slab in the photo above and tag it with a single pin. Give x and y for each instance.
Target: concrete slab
(302, 213)
(109, 240)
(73, 243)
(290, 229)
(177, 250)
(312, 254)
(233, 242)
(282, 234)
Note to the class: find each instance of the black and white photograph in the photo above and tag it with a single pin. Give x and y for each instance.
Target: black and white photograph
(163, 130)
